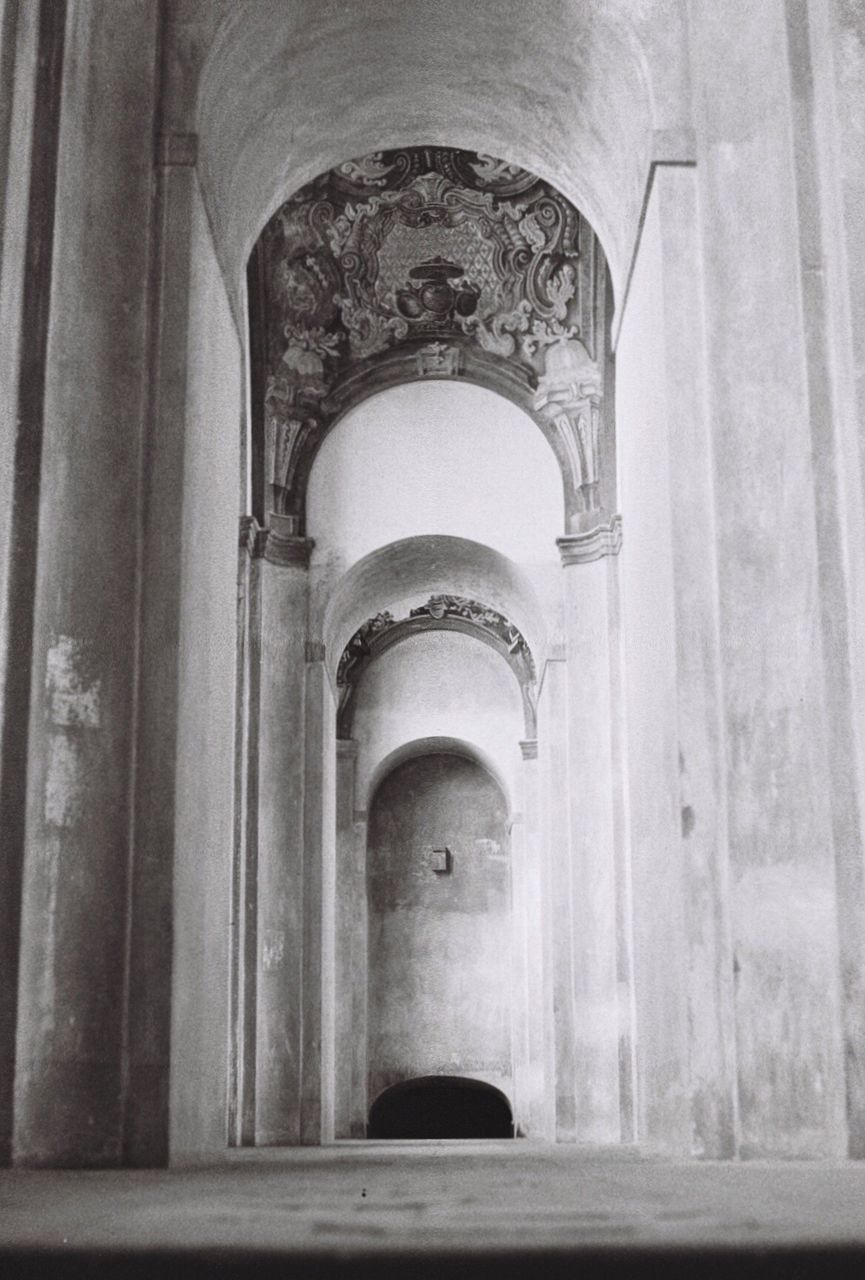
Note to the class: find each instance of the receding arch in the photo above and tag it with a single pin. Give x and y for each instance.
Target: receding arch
(400, 370)
(438, 745)
(434, 458)
(412, 569)
(448, 613)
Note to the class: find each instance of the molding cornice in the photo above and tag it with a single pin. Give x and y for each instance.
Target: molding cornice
(592, 544)
(287, 549)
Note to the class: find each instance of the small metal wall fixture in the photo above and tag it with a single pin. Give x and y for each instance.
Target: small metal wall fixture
(441, 861)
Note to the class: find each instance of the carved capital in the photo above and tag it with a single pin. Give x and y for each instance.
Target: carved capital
(314, 651)
(592, 544)
(529, 748)
(284, 545)
(571, 379)
(569, 395)
(252, 537)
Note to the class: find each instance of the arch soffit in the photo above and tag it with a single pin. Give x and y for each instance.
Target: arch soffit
(425, 566)
(572, 103)
(419, 747)
(478, 369)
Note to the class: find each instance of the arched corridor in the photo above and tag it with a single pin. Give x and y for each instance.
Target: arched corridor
(432, 580)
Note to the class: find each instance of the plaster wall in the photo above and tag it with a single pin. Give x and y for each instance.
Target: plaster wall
(440, 988)
(700, 729)
(205, 749)
(438, 684)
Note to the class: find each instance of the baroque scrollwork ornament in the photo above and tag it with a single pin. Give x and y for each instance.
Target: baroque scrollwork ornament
(450, 612)
(430, 249)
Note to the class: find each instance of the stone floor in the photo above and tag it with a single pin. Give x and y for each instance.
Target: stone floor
(437, 1209)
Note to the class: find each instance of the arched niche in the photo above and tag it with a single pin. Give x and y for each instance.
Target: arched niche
(439, 987)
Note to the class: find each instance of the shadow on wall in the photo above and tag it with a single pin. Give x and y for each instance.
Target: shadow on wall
(441, 1107)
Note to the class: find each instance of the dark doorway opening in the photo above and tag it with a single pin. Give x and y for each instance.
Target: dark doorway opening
(441, 1107)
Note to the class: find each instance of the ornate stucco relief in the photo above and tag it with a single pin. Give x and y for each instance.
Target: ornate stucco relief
(446, 260)
(383, 630)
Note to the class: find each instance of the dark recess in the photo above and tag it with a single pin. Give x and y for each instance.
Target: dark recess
(441, 1107)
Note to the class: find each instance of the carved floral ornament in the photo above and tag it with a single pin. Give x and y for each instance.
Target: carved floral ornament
(445, 612)
(433, 262)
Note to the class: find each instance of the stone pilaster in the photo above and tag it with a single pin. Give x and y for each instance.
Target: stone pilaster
(71, 1077)
(318, 1063)
(588, 572)
(570, 395)
(281, 849)
(351, 949)
(532, 1070)
(559, 1046)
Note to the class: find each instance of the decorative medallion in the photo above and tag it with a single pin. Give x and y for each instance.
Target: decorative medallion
(433, 256)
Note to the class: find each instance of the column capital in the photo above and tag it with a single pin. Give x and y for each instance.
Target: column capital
(286, 547)
(529, 748)
(592, 544)
(252, 537)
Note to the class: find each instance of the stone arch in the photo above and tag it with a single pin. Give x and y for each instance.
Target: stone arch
(415, 264)
(433, 746)
(443, 612)
(421, 567)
